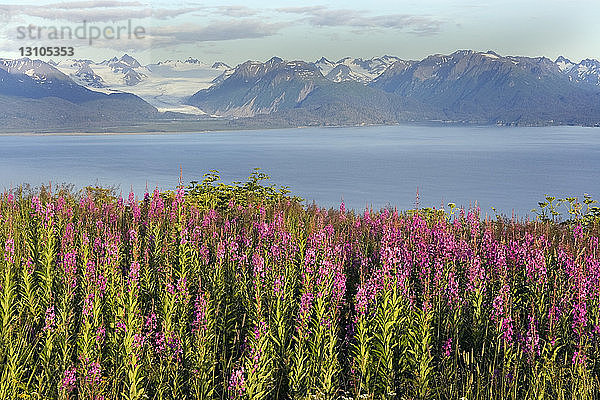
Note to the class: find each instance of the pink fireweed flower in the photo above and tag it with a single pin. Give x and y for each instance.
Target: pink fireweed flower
(101, 285)
(184, 236)
(93, 375)
(476, 274)
(278, 286)
(36, 205)
(160, 344)
(578, 232)
(135, 209)
(447, 347)
(554, 314)
(179, 195)
(69, 380)
(220, 251)
(133, 236)
(69, 264)
(452, 291)
(532, 255)
(90, 270)
(200, 320)
(121, 325)
(306, 303)
(233, 247)
(88, 305)
(579, 357)
(365, 296)
(157, 207)
(50, 320)
(175, 347)
(326, 322)
(60, 205)
(237, 383)
(304, 314)
(579, 318)
(362, 301)
(134, 275)
(204, 254)
(29, 265)
(260, 329)
(9, 251)
(151, 322)
(100, 335)
(500, 303)
(138, 341)
(69, 235)
(259, 265)
(48, 214)
(210, 217)
(532, 338)
(171, 289)
(182, 290)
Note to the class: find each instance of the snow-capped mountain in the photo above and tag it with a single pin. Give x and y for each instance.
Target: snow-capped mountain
(476, 86)
(35, 93)
(238, 92)
(586, 72)
(482, 87)
(564, 64)
(165, 84)
(296, 92)
(37, 79)
(81, 72)
(110, 74)
(37, 70)
(468, 86)
(355, 69)
(220, 65)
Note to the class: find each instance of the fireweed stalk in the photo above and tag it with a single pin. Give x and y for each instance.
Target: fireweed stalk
(105, 298)
(316, 369)
(381, 308)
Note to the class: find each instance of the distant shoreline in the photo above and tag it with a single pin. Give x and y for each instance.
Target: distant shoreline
(224, 126)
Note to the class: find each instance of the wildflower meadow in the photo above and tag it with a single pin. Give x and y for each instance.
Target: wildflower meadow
(242, 292)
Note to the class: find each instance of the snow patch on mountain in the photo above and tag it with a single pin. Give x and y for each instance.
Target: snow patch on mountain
(38, 70)
(586, 72)
(355, 69)
(165, 84)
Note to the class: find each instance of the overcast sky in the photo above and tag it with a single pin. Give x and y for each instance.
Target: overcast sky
(235, 32)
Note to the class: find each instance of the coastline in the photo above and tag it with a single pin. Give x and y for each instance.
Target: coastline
(186, 129)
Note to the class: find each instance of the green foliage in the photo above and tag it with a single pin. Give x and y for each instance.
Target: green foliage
(584, 212)
(212, 193)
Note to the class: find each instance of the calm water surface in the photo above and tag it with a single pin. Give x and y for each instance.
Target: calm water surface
(508, 168)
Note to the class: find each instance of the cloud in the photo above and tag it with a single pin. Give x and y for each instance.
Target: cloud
(170, 36)
(225, 30)
(323, 16)
(95, 11)
(236, 11)
(93, 4)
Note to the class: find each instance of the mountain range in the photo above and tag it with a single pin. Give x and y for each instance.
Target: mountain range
(465, 86)
(36, 94)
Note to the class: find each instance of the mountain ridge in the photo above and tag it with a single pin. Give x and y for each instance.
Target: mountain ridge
(465, 86)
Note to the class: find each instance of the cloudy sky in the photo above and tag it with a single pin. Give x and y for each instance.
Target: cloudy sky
(237, 31)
